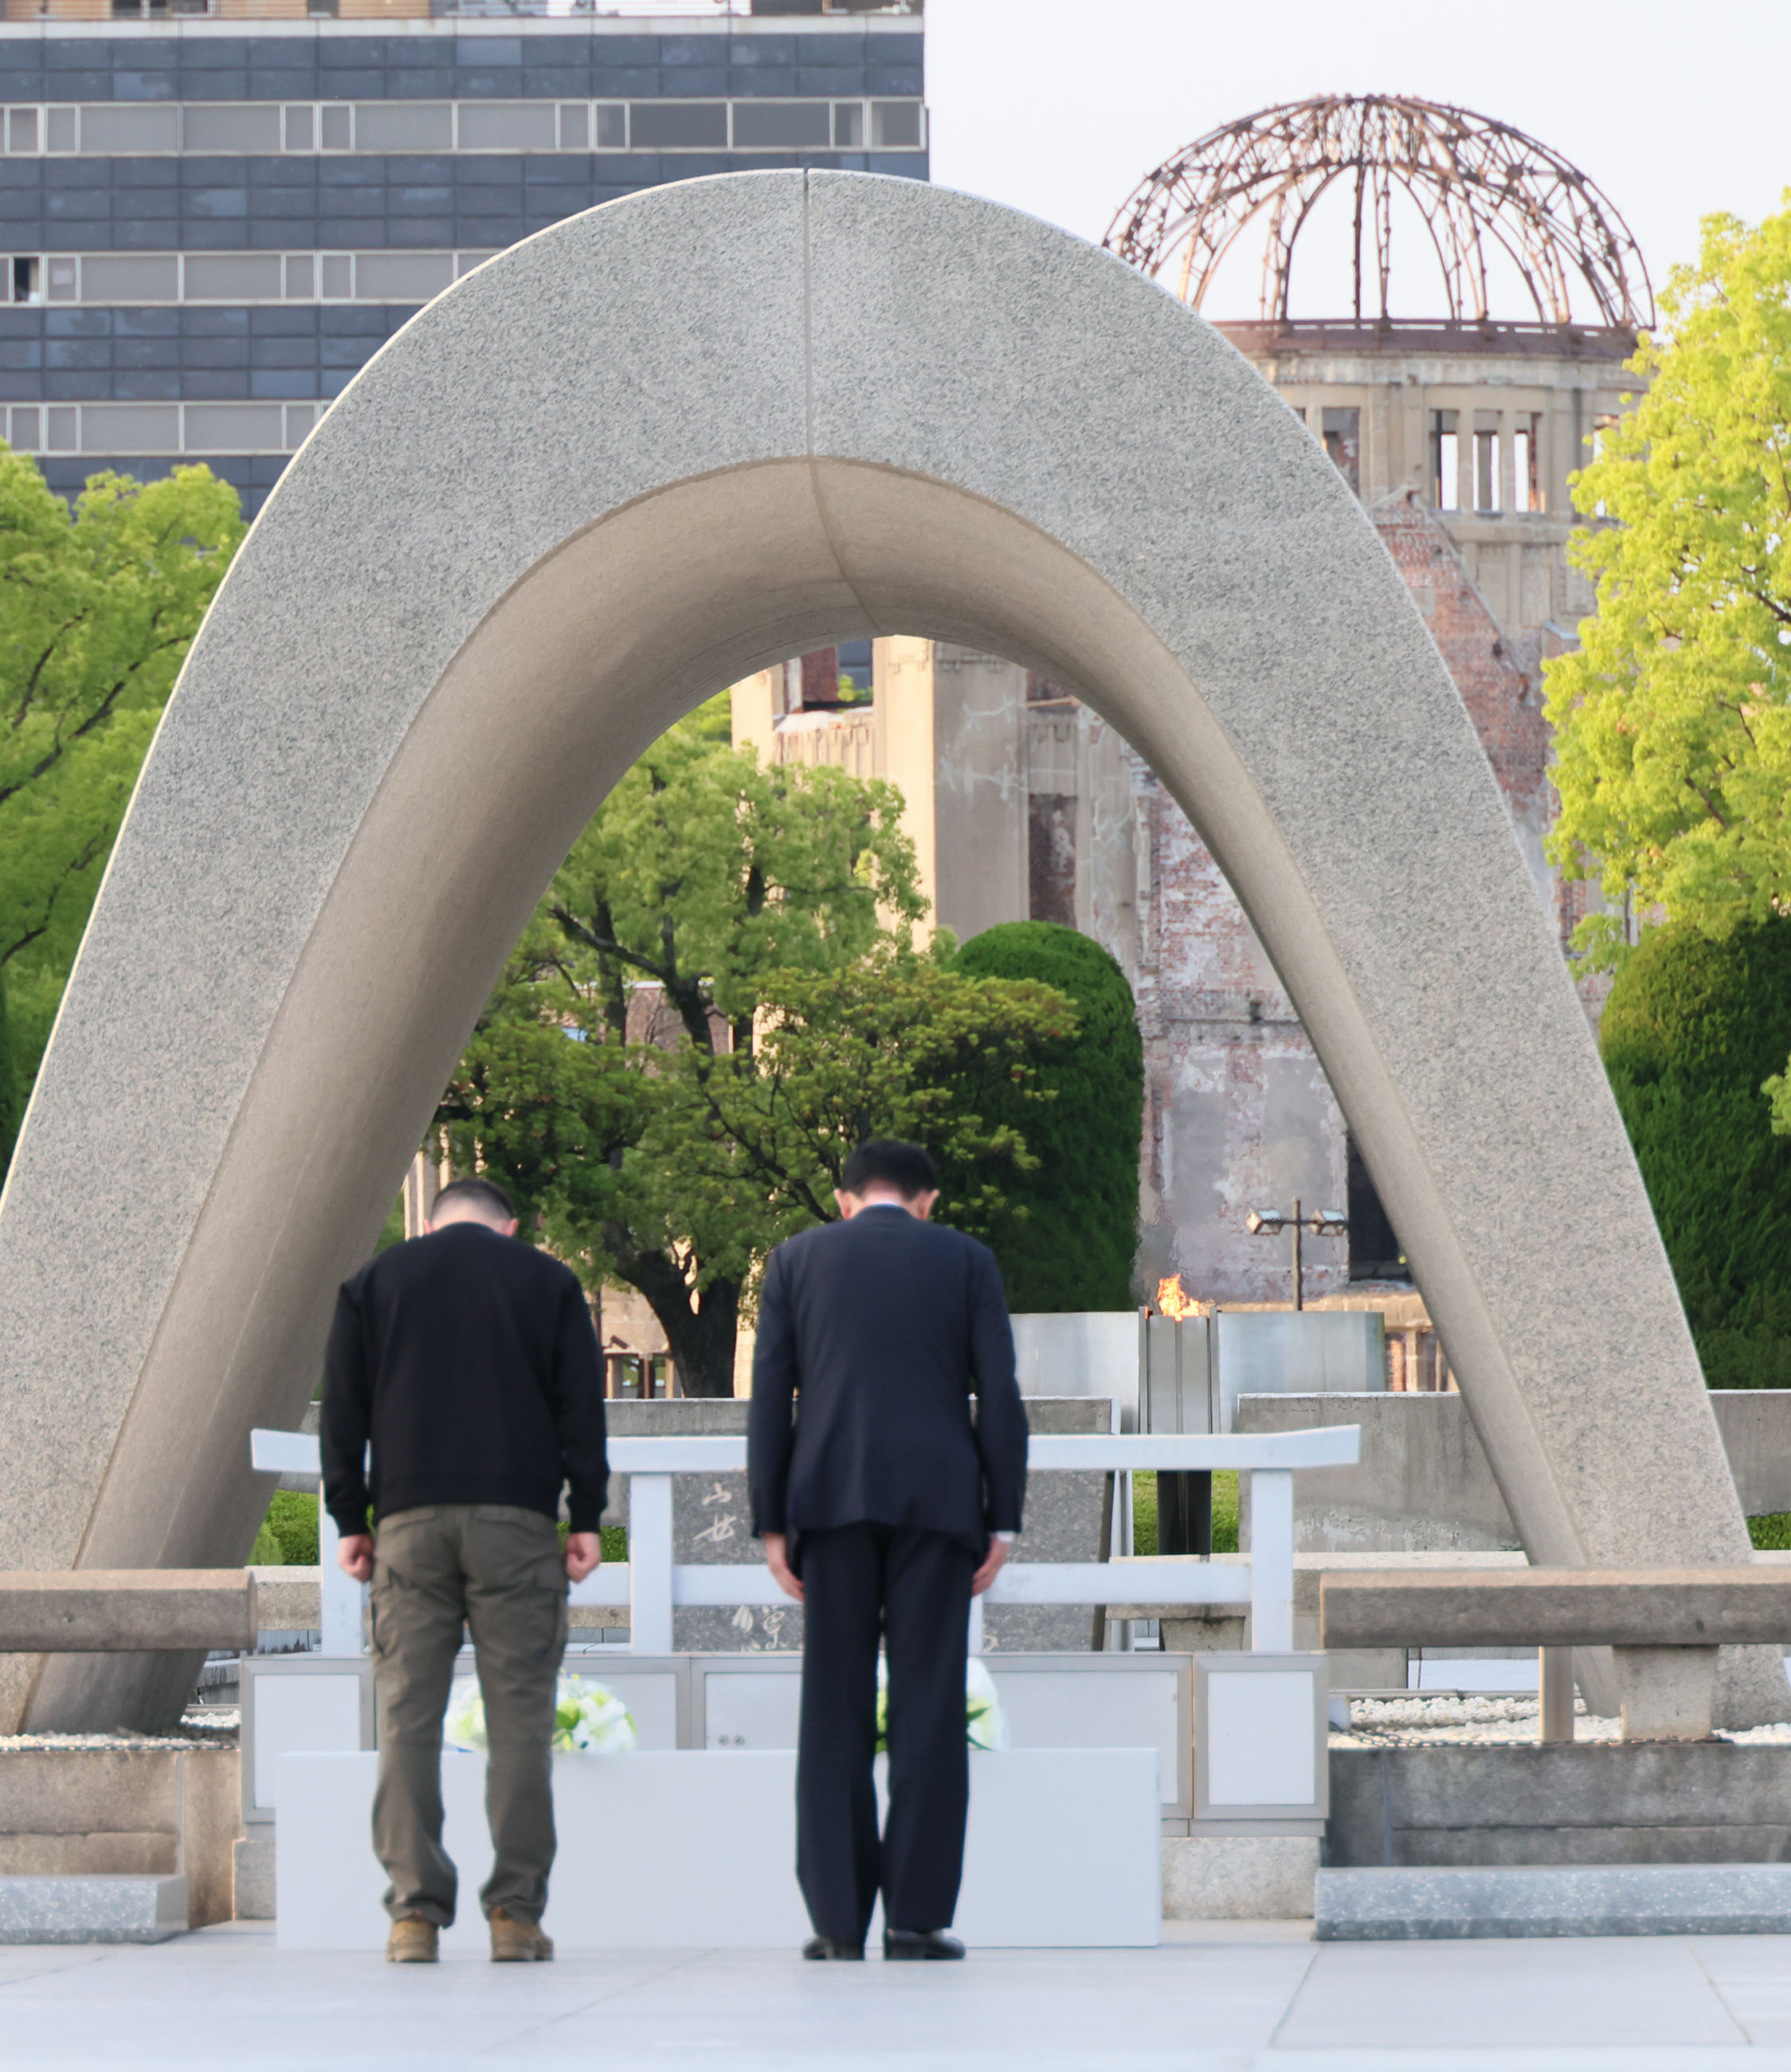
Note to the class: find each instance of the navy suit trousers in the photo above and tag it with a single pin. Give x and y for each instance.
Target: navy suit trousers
(909, 1590)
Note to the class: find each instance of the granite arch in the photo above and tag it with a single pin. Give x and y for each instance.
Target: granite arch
(656, 447)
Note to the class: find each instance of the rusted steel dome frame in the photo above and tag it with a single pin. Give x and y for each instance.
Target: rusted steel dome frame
(1476, 183)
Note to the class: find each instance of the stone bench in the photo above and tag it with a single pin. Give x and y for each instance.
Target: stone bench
(115, 1611)
(119, 1844)
(1675, 1618)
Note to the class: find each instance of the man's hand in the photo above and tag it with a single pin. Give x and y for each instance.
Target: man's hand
(584, 1551)
(777, 1559)
(354, 1555)
(991, 1569)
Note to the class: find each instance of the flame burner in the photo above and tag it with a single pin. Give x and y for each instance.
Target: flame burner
(1479, 186)
(1173, 1301)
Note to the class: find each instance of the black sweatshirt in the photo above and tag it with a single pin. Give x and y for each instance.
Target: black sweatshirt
(470, 1361)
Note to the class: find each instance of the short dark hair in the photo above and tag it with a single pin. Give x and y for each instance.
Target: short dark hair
(886, 1161)
(487, 1194)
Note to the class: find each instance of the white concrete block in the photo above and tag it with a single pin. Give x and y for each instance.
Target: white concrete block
(695, 1849)
(1076, 1708)
(316, 1712)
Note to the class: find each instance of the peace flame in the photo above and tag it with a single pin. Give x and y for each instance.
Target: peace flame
(1172, 1300)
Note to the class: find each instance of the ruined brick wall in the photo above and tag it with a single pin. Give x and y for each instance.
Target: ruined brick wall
(1503, 692)
(1503, 699)
(1238, 1113)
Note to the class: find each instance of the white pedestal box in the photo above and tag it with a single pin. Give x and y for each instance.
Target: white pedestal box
(1261, 1743)
(691, 1849)
(1048, 1701)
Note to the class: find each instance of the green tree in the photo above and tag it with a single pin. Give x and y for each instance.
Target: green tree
(1067, 1234)
(1673, 731)
(98, 605)
(1692, 1026)
(717, 999)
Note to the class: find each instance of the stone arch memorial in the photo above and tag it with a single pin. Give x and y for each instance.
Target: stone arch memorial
(626, 463)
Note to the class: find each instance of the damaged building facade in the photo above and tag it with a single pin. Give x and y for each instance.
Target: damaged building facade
(1458, 433)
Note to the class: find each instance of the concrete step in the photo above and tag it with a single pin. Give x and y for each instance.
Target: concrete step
(96, 1908)
(254, 1882)
(1579, 1899)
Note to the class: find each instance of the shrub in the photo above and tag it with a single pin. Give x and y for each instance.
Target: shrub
(1068, 1238)
(1692, 1028)
(287, 1537)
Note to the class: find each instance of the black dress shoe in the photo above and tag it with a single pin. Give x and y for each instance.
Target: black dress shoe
(921, 1946)
(819, 1949)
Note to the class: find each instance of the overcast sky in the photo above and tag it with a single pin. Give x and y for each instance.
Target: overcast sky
(1059, 107)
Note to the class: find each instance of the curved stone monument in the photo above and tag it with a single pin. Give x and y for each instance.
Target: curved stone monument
(652, 449)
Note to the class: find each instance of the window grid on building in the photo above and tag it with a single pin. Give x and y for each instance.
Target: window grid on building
(139, 279)
(160, 430)
(250, 129)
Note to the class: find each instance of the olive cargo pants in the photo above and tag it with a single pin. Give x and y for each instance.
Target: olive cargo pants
(498, 1569)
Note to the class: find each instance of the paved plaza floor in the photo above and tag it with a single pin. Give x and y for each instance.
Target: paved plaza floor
(1229, 1998)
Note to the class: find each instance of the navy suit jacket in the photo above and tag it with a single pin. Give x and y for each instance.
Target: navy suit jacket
(872, 1336)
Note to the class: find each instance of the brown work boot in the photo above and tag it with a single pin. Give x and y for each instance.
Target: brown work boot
(516, 1941)
(412, 1941)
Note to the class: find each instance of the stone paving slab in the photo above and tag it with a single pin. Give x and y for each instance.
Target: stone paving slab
(1217, 1997)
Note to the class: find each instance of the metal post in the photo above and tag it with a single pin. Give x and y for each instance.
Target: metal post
(1272, 1561)
(1299, 1276)
(1554, 1692)
(340, 1596)
(650, 1563)
(422, 1184)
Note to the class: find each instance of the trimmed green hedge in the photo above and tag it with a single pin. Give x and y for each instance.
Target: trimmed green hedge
(1691, 1031)
(287, 1537)
(1070, 1240)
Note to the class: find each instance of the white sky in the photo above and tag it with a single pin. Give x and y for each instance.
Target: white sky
(1059, 107)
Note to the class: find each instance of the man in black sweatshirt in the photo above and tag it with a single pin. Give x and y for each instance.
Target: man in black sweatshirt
(463, 1365)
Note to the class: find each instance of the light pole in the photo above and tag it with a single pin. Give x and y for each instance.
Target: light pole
(1321, 1223)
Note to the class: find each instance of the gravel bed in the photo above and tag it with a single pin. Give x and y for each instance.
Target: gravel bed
(1440, 1722)
(203, 1727)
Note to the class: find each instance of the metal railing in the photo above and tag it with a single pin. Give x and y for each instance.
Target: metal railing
(651, 1584)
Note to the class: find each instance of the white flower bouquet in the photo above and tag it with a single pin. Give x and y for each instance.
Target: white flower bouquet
(984, 1724)
(587, 1719)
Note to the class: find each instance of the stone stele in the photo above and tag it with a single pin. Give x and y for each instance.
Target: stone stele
(627, 463)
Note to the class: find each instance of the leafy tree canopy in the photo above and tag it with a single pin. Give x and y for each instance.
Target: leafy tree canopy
(1692, 1027)
(717, 999)
(1673, 731)
(1067, 1234)
(97, 608)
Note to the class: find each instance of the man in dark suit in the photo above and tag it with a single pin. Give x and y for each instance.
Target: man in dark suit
(884, 1508)
(469, 1363)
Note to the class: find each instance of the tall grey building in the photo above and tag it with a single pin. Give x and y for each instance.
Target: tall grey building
(209, 223)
